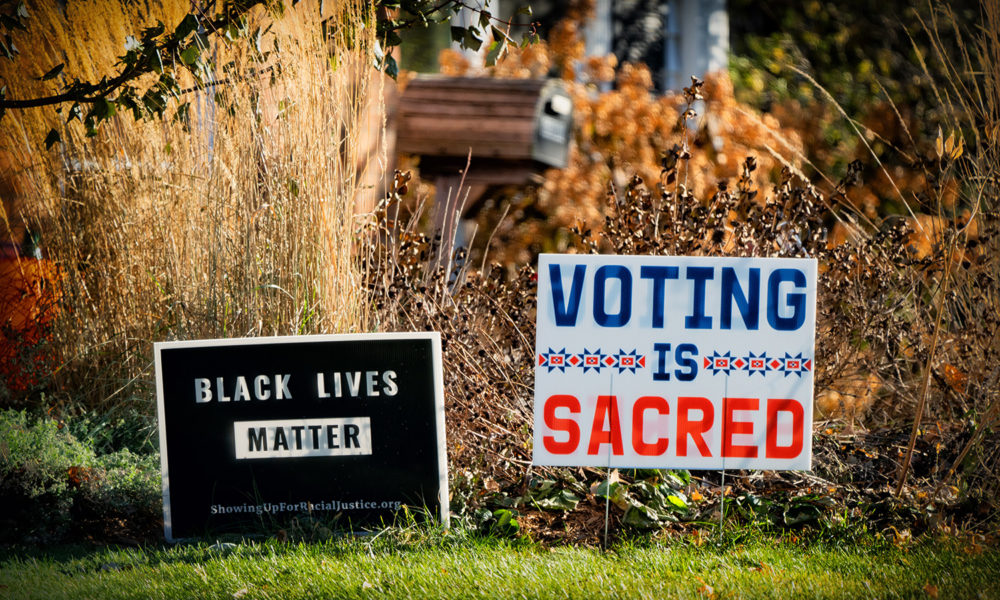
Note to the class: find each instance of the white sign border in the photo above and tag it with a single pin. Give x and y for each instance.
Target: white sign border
(597, 260)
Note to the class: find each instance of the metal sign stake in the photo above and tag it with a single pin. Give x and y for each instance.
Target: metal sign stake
(722, 448)
(607, 487)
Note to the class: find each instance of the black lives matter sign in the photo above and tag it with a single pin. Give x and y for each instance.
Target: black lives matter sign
(256, 430)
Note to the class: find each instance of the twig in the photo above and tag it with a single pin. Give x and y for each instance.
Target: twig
(968, 446)
(922, 401)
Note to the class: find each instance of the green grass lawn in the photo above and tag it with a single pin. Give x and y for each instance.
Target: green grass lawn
(407, 565)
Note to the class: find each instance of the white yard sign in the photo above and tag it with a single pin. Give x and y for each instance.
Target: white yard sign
(674, 362)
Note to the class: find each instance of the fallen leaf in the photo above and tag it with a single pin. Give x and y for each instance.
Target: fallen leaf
(955, 378)
(240, 593)
(931, 590)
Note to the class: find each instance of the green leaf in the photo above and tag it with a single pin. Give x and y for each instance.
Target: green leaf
(154, 31)
(53, 72)
(494, 53)
(674, 480)
(505, 523)
(755, 508)
(678, 501)
(641, 517)
(484, 18)
(458, 34)
(190, 54)
(616, 492)
(52, 138)
(127, 101)
(602, 489)
(130, 58)
(471, 39)
(155, 62)
(801, 513)
(103, 109)
(524, 10)
(186, 26)
(391, 68)
(233, 32)
(168, 84)
(499, 34)
(563, 500)
(154, 102)
(539, 486)
(182, 114)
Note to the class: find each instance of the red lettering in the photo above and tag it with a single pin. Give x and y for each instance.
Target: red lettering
(607, 410)
(775, 406)
(566, 425)
(638, 425)
(731, 427)
(696, 429)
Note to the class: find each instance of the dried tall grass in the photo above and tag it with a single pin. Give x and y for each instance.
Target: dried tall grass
(236, 222)
(967, 291)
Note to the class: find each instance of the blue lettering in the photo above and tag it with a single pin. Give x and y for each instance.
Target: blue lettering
(796, 301)
(686, 361)
(661, 362)
(566, 313)
(698, 319)
(731, 291)
(659, 275)
(601, 316)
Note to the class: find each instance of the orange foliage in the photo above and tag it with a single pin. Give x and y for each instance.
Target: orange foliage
(29, 294)
(624, 132)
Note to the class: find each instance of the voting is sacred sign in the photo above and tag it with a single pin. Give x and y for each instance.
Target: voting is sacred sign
(674, 362)
(257, 430)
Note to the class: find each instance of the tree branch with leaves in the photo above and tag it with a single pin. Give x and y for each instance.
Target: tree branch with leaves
(167, 55)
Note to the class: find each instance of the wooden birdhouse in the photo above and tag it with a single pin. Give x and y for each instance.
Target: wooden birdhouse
(512, 127)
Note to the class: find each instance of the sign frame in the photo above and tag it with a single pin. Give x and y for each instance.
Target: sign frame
(436, 381)
(638, 356)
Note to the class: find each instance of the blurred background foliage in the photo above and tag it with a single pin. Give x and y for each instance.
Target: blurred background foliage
(872, 59)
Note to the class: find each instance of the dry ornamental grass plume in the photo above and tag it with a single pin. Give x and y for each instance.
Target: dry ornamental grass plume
(234, 218)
